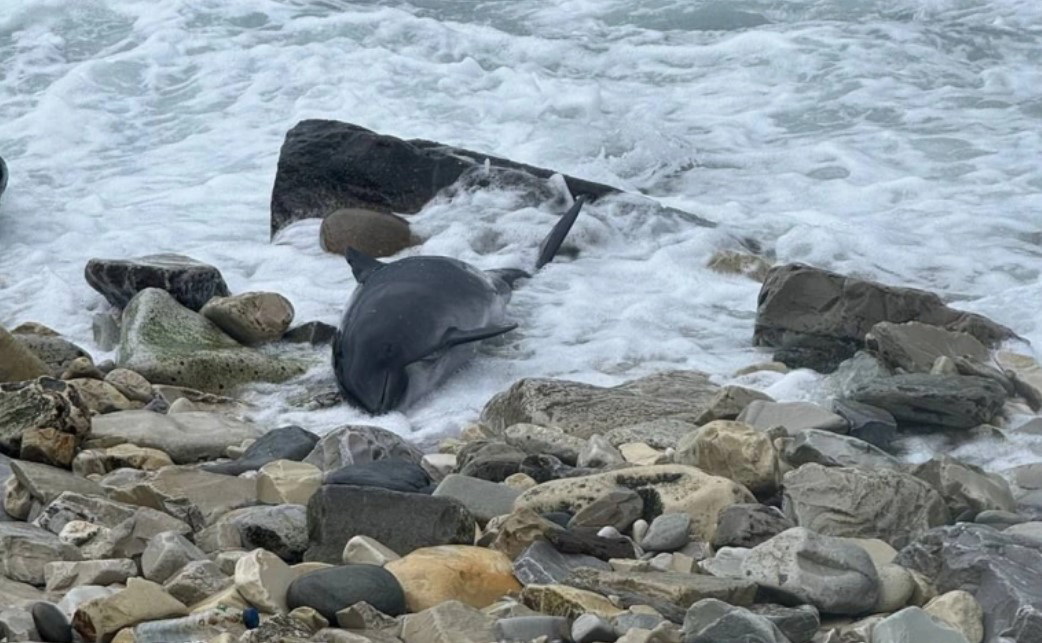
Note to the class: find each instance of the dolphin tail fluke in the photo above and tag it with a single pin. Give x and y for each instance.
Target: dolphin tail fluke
(552, 243)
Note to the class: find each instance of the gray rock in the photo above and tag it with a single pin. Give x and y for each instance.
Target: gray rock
(169, 344)
(354, 444)
(45, 483)
(523, 629)
(197, 580)
(583, 410)
(1031, 530)
(710, 620)
(201, 626)
(280, 529)
(190, 282)
(167, 554)
(377, 234)
(873, 425)
(668, 592)
(449, 622)
(17, 362)
(43, 402)
(794, 416)
(591, 628)
(730, 401)
(663, 433)
(667, 532)
(105, 329)
(64, 575)
(332, 589)
(537, 440)
(494, 461)
(748, 525)
(966, 488)
(101, 511)
(250, 318)
(618, 508)
(483, 499)
(955, 401)
(834, 576)
(800, 300)
(598, 452)
(1001, 570)
(401, 521)
(315, 333)
(834, 450)
(799, 624)
(185, 437)
(25, 551)
(541, 564)
(629, 620)
(285, 443)
(16, 624)
(57, 353)
(911, 625)
(849, 501)
(395, 475)
(51, 623)
(914, 346)
(18, 594)
(197, 497)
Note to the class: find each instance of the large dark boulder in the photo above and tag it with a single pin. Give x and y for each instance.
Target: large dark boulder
(285, 443)
(402, 521)
(818, 315)
(917, 399)
(330, 590)
(392, 474)
(1001, 570)
(192, 283)
(3, 176)
(325, 166)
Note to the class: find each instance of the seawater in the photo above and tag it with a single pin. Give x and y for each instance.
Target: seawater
(897, 140)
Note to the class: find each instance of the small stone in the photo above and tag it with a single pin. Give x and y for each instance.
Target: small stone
(599, 453)
(63, 575)
(529, 628)
(251, 318)
(263, 579)
(739, 263)
(966, 488)
(82, 367)
(541, 564)
(869, 423)
(668, 532)
(617, 508)
(197, 580)
(482, 498)
(377, 234)
(365, 550)
(640, 453)
(17, 362)
(451, 622)
(729, 402)
(895, 588)
(733, 450)
(280, 529)
(16, 624)
(638, 530)
(438, 465)
(131, 384)
(312, 332)
(520, 482)
(748, 525)
(537, 440)
(79, 532)
(713, 620)
(363, 616)
(166, 554)
(25, 551)
(591, 628)
(570, 602)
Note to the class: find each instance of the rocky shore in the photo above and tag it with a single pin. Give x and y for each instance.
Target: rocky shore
(142, 504)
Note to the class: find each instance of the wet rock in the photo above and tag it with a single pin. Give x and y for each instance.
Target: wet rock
(43, 402)
(105, 329)
(1000, 570)
(391, 474)
(730, 401)
(664, 488)
(185, 437)
(355, 444)
(57, 353)
(849, 501)
(401, 521)
(51, 623)
(617, 507)
(834, 450)
(313, 332)
(800, 301)
(17, 362)
(582, 410)
(169, 344)
(377, 234)
(834, 576)
(537, 440)
(914, 346)
(190, 282)
(471, 575)
(484, 500)
(794, 416)
(142, 600)
(541, 564)
(285, 443)
(250, 318)
(710, 620)
(955, 401)
(451, 622)
(330, 590)
(733, 450)
(965, 487)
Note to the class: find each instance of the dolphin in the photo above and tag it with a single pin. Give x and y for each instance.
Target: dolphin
(411, 324)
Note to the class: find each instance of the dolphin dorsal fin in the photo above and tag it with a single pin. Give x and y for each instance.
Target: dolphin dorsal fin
(552, 243)
(362, 265)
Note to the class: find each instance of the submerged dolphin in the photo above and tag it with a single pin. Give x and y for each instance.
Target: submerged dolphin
(411, 324)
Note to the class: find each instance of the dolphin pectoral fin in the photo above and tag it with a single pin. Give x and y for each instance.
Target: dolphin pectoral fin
(362, 265)
(456, 336)
(552, 243)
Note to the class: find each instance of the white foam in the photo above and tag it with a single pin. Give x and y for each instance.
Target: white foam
(893, 139)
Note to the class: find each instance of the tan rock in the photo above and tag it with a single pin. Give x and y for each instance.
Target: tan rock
(729, 402)
(733, 450)
(142, 600)
(262, 578)
(960, 610)
(474, 576)
(642, 454)
(762, 367)
(130, 383)
(368, 551)
(896, 588)
(520, 481)
(377, 234)
(570, 602)
(228, 598)
(924, 591)
(82, 367)
(880, 551)
(251, 317)
(310, 617)
(287, 482)
(733, 262)
(102, 397)
(17, 500)
(451, 622)
(48, 446)
(18, 363)
(515, 532)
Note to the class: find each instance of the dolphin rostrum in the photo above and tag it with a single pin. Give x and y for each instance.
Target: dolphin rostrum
(411, 324)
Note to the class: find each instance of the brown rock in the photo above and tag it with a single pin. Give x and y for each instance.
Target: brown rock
(471, 575)
(48, 446)
(142, 600)
(251, 318)
(377, 234)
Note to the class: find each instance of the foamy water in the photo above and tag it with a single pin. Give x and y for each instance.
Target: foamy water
(898, 140)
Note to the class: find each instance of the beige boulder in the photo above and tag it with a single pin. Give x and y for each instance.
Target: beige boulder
(102, 397)
(262, 579)
(733, 450)
(960, 610)
(251, 317)
(377, 234)
(287, 482)
(48, 446)
(141, 600)
(566, 601)
(474, 576)
(367, 551)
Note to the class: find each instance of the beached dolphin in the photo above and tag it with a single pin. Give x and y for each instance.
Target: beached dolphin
(411, 324)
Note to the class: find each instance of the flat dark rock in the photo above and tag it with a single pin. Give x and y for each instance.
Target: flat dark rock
(285, 443)
(192, 283)
(312, 332)
(330, 590)
(326, 165)
(541, 564)
(401, 521)
(955, 401)
(51, 623)
(395, 475)
(586, 541)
